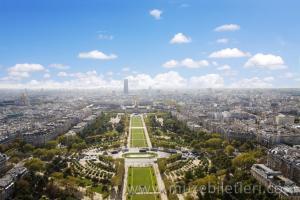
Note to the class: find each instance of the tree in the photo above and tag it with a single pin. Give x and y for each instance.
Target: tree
(215, 143)
(244, 160)
(51, 144)
(35, 165)
(188, 176)
(162, 165)
(23, 190)
(120, 127)
(28, 148)
(229, 149)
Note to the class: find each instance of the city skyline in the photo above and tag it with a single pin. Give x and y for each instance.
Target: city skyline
(195, 44)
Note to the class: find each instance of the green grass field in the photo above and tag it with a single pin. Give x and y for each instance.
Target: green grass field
(136, 121)
(138, 138)
(144, 197)
(141, 180)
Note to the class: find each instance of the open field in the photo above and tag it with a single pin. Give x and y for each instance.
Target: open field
(141, 180)
(136, 121)
(144, 197)
(138, 138)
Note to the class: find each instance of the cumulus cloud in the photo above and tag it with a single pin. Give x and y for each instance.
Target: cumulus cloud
(288, 75)
(227, 71)
(47, 75)
(24, 70)
(95, 54)
(228, 27)
(171, 64)
(190, 63)
(265, 61)
(214, 63)
(224, 68)
(187, 62)
(180, 38)
(229, 53)
(156, 13)
(253, 82)
(222, 40)
(62, 74)
(207, 81)
(59, 66)
(93, 80)
(160, 81)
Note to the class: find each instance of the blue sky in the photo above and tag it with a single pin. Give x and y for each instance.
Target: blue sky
(157, 43)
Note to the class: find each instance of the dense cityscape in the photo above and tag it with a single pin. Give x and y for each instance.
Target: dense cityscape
(149, 100)
(84, 145)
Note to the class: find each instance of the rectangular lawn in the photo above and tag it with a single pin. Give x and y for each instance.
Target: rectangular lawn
(137, 134)
(138, 138)
(144, 197)
(136, 121)
(141, 180)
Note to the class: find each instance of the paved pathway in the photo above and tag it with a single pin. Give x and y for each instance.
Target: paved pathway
(129, 134)
(160, 183)
(146, 133)
(125, 182)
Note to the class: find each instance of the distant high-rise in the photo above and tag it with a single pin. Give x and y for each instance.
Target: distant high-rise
(125, 86)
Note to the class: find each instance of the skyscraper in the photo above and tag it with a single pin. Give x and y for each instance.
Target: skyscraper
(125, 86)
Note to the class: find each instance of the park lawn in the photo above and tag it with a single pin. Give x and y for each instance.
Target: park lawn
(138, 138)
(137, 134)
(144, 197)
(138, 143)
(136, 121)
(141, 179)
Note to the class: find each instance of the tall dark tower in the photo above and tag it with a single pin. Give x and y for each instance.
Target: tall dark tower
(125, 86)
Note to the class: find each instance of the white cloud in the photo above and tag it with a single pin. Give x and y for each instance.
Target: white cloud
(229, 53)
(105, 37)
(110, 73)
(253, 82)
(227, 71)
(180, 38)
(288, 75)
(224, 68)
(62, 74)
(222, 40)
(190, 63)
(171, 64)
(47, 75)
(269, 79)
(160, 81)
(265, 61)
(125, 69)
(187, 62)
(59, 66)
(214, 63)
(95, 54)
(93, 80)
(228, 27)
(207, 81)
(156, 13)
(23, 70)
